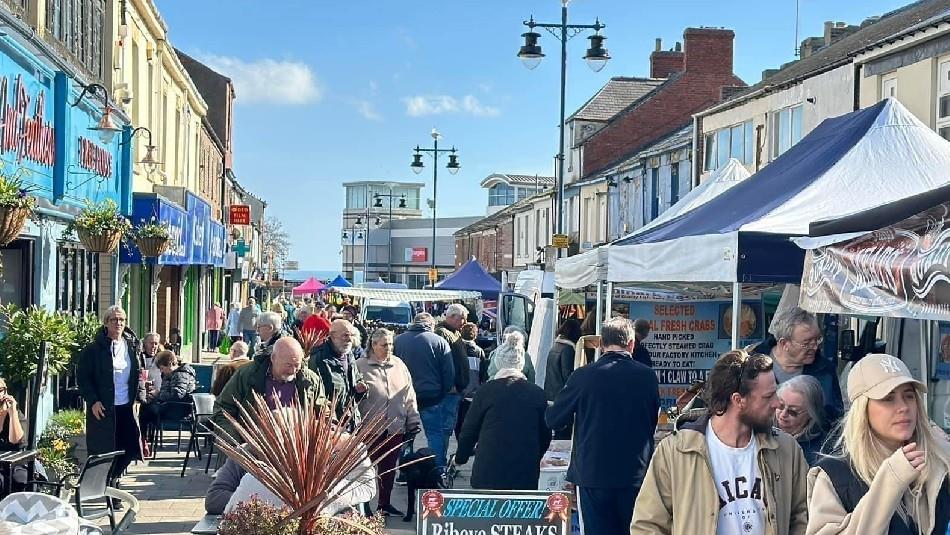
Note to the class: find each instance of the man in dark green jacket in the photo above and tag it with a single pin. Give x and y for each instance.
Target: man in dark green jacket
(277, 375)
(334, 362)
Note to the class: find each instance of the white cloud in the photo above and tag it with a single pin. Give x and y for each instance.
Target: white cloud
(420, 106)
(268, 80)
(368, 110)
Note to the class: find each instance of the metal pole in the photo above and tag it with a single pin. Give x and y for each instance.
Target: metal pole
(560, 147)
(366, 241)
(435, 191)
(599, 317)
(389, 258)
(736, 312)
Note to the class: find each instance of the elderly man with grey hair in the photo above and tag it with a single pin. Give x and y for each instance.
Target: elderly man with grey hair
(429, 359)
(455, 316)
(334, 361)
(269, 328)
(795, 348)
(615, 402)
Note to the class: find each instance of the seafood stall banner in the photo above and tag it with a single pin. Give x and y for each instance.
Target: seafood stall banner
(686, 339)
(898, 271)
(492, 512)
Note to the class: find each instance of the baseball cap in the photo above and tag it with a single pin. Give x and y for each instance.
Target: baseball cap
(876, 375)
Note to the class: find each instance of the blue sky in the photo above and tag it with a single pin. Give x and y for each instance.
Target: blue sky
(329, 92)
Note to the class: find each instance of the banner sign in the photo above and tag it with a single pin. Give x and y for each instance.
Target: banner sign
(417, 254)
(217, 236)
(199, 212)
(898, 271)
(686, 339)
(492, 512)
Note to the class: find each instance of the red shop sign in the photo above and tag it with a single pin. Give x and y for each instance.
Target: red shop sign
(239, 214)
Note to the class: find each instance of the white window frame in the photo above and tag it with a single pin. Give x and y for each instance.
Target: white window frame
(889, 86)
(711, 160)
(775, 121)
(942, 125)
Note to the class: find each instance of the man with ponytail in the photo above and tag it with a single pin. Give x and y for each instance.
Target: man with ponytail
(615, 402)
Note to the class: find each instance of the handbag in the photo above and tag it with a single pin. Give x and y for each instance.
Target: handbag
(225, 346)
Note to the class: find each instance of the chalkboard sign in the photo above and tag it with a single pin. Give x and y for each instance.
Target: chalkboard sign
(492, 512)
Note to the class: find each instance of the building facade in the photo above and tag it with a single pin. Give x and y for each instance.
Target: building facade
(506, 189)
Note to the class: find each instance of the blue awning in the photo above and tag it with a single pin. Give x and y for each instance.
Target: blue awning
(147, 207)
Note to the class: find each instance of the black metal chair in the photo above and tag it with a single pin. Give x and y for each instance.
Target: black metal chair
(89, 485)
(173, 416)
(202, 408)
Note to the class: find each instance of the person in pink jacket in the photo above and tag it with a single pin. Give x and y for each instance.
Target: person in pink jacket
(214, 319)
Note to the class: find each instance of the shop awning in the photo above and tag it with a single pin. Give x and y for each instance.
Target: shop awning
(391, 294)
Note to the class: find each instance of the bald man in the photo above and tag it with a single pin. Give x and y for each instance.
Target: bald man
(335, 363)
(279, 377)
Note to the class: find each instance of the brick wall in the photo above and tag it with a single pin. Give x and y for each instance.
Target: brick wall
(707, 60)
(492, 247)
(664, 63)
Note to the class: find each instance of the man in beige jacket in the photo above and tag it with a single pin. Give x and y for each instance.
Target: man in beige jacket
(727, 471)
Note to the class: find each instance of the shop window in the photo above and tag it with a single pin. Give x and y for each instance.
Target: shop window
(77, 26)
(77, 275)
(735, 141)
(943, 100)
(16, 286)
(786, 129)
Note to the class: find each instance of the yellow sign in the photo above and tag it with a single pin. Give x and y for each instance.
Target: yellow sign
(560, 241)
(433, 275)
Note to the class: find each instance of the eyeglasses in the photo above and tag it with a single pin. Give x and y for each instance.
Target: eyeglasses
(813, 343)
(117, 320)
(790, 411)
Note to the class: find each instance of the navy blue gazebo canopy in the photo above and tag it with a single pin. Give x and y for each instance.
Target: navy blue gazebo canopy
(472, 276)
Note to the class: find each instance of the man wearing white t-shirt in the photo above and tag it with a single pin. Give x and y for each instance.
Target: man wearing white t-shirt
(726, 470)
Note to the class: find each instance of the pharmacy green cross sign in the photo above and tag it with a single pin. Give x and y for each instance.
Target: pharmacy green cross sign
(241, 248)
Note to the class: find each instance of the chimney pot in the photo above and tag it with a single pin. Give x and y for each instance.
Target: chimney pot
(659, 44)
(679, 47)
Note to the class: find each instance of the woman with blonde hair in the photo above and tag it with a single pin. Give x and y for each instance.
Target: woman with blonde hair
(889, 472)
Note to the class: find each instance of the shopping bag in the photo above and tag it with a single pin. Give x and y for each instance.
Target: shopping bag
(225, 346)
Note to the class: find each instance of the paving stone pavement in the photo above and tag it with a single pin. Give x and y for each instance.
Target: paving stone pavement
(171, 505)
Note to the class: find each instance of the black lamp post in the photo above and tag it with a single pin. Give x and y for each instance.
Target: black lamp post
(378, 198)
(453, 167)
(531, 55)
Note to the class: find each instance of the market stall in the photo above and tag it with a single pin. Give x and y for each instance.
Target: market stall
(472, 276)
(309, 287)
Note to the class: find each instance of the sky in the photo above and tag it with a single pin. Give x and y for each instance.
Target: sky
(331, 92)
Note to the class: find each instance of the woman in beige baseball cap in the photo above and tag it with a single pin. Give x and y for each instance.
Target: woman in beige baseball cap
(888, 472)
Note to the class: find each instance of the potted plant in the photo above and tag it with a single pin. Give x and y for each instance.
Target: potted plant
(24, 329)
(100, 226)
(15, 206)
(62, 444)
(280, 448)
(151, 237)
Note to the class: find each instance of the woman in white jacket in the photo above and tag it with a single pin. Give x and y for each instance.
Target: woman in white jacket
(889, 472)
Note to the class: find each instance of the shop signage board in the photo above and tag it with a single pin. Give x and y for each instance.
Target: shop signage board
(488, 512)
(417, 254)
(560, 241)
(144, 208)
(27, 135)
(239, 214)
(199, 212)
(217, 236)
(898, 271)
(291, 265)
(686, 338)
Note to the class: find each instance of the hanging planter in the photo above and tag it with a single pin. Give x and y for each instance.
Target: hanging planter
(100, 227)
(100, 243)
(15, 206)
(151, 237)
(12, 221)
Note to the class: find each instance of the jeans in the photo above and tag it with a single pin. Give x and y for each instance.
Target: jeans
(606, 511)
(214, 339)
(250, 338)
(438, 422)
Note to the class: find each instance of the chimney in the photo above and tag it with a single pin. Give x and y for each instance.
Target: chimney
(838, 31)
(663, 63)
(708, 50)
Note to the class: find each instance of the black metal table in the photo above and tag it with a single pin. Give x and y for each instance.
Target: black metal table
(10, 460)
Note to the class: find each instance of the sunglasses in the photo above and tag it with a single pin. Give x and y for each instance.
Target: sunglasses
(790, 411)
(749, 361)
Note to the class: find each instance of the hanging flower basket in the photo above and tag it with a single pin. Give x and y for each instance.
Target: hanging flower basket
(152, 247)
(100, 243)
(12, 220)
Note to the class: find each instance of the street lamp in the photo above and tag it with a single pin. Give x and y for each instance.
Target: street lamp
(378, 203)
(596, 57)
(106, 128)
(453, 166)
(148, 160)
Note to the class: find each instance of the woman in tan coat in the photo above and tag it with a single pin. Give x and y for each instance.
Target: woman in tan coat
(889, 473)
(389, 392)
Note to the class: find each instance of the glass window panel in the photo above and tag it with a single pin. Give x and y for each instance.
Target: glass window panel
(710, 153)
(945, 132)
(944, 76)
(674, 183)
(737, 145)
(796, 124)
(784, 130)
(722, 146)
(944, 106)
(749, 136)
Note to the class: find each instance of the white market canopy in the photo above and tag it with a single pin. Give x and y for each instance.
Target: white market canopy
(849, 163)
(585, 269)
(395, 294)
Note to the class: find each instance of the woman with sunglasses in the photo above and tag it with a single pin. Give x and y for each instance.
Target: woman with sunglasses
(888, 472)
(801, 414)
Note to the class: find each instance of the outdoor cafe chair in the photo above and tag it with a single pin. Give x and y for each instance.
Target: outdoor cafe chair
(202, 408)
(183, 411)
(90, 485)
(33, 512)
